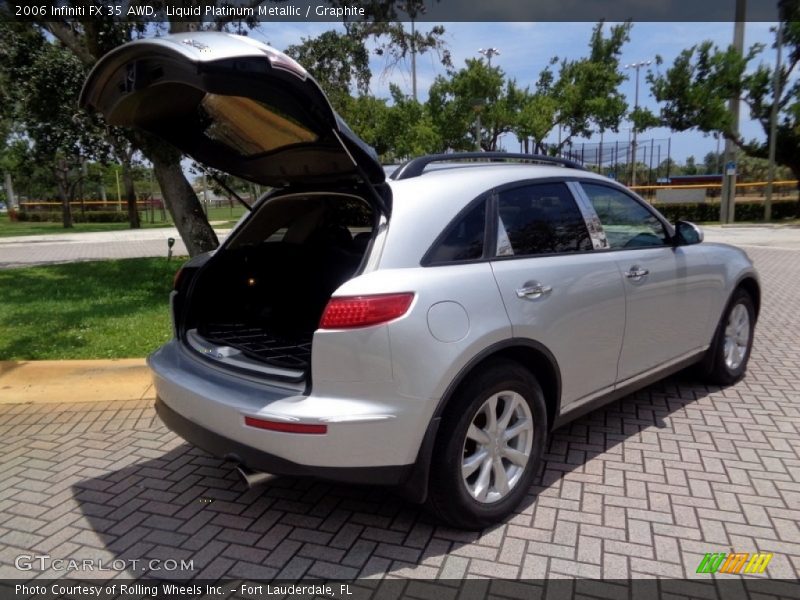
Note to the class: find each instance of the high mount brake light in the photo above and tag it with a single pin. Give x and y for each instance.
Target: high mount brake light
(349, 312)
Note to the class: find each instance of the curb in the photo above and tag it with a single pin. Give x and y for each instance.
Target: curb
(44, 381)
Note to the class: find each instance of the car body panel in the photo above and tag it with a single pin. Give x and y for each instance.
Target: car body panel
(581, 320)
(667, 309)
(367, 425)
(422, 365)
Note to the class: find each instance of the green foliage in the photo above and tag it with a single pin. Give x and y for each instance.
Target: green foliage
(587, 89)
(536, 117)
(46, 82)
(91, 216)
(339, 62)
(477, 90)
(701, 212)
(696, 89)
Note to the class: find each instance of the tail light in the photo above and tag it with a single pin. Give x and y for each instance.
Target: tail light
(176, 281)
(349, 312)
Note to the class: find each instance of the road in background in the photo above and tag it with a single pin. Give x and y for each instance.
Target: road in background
(26, 251)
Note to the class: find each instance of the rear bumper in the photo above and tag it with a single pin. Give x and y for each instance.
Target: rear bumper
(258, 460)
(370, 428)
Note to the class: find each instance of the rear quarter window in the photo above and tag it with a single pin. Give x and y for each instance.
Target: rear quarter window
(464, 238)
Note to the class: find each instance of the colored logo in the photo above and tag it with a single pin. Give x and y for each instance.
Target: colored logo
(722, 562)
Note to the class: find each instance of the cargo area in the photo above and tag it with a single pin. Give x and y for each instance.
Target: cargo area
(256, 304)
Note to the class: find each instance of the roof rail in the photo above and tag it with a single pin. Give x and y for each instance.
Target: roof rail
(416, 166)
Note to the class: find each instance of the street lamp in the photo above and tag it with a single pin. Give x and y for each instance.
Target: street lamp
(489, 53)
(637, 66)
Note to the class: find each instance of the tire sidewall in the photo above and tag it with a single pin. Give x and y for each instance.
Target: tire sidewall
(504, 376)
(722, 370)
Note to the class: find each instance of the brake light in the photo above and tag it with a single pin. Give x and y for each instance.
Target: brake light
(349, 312)
(286, 427)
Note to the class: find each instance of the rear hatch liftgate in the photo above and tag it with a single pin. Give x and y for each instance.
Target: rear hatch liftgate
(236, 105)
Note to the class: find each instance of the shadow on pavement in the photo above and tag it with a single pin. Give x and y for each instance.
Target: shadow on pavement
(183, 504)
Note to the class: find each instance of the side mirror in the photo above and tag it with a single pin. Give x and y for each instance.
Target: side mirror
(687, 233)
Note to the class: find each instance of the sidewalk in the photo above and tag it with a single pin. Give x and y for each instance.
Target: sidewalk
(30, 250)
(27, 382)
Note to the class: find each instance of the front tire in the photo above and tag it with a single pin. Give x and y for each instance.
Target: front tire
(492, 438)
(727, 358)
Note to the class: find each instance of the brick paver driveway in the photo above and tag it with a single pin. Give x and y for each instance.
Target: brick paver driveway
(642, 488)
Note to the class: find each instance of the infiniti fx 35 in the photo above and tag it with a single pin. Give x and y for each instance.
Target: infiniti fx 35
(425, 331)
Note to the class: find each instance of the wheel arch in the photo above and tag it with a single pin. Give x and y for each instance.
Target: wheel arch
(750, 284)
(530, 354)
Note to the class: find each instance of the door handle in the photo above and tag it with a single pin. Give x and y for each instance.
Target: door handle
(636, 273)
(533, 290)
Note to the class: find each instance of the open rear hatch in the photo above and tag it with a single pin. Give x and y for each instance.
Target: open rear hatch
(240, 106)
(234, 104)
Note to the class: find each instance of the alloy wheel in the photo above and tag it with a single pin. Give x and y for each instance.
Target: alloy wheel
(737, 336)
(497, 446)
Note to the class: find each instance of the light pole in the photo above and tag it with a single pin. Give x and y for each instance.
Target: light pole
(773, 121)
(727, 209)
(489, 53)
(637, 66)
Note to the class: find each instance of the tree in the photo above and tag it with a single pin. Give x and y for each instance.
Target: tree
(41, 101)
(383, 23)
(696, 88)
(587, 89)
(409, 128)
(339, 62)
(690, 166)
(581, 99)
(474, 100)
(712, 162)
(536, 118)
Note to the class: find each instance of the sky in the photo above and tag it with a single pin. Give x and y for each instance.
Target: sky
(525, 49)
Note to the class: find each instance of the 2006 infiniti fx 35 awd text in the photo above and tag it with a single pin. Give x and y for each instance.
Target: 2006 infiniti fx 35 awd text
(425, 331)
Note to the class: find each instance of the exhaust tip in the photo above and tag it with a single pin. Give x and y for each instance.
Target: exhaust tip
(253, 478)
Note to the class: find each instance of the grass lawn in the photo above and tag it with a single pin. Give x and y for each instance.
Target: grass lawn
(106, 309)
(224, 217)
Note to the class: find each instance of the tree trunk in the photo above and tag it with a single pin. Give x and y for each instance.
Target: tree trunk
(180, 198)
(63, 195)
(130, 195)
(12, 199)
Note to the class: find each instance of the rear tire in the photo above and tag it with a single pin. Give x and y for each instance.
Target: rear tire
(490, 444)
(726, 360)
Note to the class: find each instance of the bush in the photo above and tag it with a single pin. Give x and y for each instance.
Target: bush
(95, 216)
(709, 211)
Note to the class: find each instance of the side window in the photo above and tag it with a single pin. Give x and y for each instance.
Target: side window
(627, 223)
(464, 238)
(540, 219)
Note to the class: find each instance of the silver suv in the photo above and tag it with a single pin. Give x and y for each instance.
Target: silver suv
(425, 332)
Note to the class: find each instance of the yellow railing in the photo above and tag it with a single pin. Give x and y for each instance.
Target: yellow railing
(713, 186)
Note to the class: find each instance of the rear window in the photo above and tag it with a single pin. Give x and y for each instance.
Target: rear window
(249, 127)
